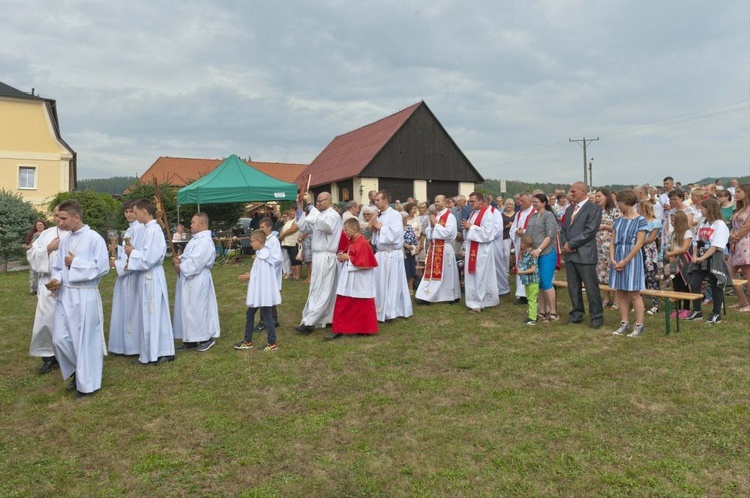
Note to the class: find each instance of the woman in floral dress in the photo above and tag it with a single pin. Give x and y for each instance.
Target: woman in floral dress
(610, 213)
(739, 243)
(652, 266)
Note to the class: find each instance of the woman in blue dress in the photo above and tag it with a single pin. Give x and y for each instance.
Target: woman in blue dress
(626, 275)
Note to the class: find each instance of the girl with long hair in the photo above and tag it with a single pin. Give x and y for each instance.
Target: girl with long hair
(708, 259)
(677, 255)
(739, 243)
(652, 266)
(603, 198)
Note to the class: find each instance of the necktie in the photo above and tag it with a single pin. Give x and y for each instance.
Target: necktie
(575, 213)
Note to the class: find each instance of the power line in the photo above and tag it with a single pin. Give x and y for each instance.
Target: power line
(584, 140)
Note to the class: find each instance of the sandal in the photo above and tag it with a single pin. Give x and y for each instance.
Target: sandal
(614, 306)
(744, 309)
(553, 317)
(654, 310)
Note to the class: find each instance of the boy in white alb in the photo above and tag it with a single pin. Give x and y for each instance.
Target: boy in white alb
(262, 292)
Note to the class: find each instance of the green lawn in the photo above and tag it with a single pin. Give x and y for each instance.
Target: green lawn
(444, 404)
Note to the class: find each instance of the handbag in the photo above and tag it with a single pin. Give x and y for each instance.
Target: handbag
(558, 246)
(300, 256)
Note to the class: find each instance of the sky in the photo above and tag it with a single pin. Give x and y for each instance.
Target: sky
(664, 85)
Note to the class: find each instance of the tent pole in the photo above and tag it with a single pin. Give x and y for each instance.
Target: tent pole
(199, 207)
(178, 214)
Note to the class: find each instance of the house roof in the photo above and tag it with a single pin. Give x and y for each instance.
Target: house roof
(14, 93)
(348, 154)
(181, 171)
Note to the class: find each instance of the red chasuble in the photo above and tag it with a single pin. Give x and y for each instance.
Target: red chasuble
(435, 254)
(474, 246)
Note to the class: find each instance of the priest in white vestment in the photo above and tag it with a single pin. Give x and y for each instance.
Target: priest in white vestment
(325, 224)
(78, 331)
(498, 251)
(392, 297)
(157, 339)
(125, 325)
(480, 277)
(517, 229)
(440, 282)
(196, 313)
(41, 255)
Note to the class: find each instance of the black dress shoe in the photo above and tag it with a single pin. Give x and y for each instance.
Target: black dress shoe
(163, 359)
(572, 322)
(80, 394)
(596, 325)
(332, 336)
(47, 366)
(422, 302)
(521, 300)
(304, 329)
(186, 345)
(72, 386)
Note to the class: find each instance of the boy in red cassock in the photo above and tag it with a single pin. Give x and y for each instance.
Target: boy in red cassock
(354, 311)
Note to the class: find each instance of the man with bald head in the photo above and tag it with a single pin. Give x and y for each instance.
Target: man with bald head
(325, 225)
(578, 237)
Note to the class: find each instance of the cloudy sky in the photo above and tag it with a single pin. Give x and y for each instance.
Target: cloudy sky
(664, 84)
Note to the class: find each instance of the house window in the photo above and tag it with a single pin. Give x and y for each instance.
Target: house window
(27, 177)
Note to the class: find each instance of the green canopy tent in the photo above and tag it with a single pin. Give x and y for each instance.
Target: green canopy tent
(236, 181)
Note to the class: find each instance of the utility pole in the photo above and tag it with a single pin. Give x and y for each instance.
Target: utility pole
(585, 141)
(591, 175)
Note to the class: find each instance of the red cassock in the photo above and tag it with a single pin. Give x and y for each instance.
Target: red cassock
(357, 315)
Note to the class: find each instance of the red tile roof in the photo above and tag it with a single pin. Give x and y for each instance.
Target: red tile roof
(347, 155)
(181, 171)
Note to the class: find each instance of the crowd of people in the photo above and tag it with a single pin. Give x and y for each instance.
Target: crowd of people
(369, 263)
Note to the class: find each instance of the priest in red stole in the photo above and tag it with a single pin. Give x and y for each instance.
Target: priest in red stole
(354, 311)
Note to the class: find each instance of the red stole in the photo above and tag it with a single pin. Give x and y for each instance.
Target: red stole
(525, 224)
(474, 246)
(435, 254)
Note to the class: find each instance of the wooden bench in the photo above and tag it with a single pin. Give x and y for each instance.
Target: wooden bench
(667, 297)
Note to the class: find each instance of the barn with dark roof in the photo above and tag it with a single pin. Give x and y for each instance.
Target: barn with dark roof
(408, 153)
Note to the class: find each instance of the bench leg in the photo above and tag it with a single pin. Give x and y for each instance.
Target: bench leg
(667, 314)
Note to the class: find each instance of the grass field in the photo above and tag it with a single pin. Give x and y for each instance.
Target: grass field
(444, 404)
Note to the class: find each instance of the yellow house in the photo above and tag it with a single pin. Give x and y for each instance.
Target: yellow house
(34, 159)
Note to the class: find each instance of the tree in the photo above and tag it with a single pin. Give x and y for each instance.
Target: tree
(101, 212)
(16, 217)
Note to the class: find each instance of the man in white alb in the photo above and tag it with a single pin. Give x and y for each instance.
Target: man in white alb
(517, 229)
(480, 278)
(392, 298)
(325, 225)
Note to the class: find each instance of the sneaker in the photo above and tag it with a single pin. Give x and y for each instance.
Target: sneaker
(205, 346)
(638, 329)
(624, 327)
(695, 315)
(529, 321)
(674, 314)
(714, 318)
(654, 310)
(684, 314)
(244, 345)
(270, 347)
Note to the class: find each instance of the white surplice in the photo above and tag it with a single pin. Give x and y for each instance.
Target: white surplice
(449, 287)
(78, 332)
(196, 313)
(498, 251)
(125, 325)
(481, 286)
(40, 261)
(157, 339)
(262, 288)
(326, 234)
(392, 298)
(519, 221)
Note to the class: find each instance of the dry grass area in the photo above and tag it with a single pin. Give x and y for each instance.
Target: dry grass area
(444, 404)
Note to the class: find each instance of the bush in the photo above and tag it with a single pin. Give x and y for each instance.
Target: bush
(101, 212)
(16, 217)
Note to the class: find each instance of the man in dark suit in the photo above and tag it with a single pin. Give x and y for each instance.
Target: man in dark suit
(582, 220)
